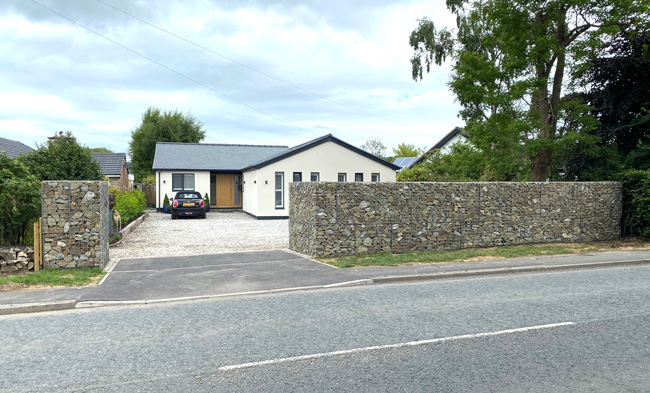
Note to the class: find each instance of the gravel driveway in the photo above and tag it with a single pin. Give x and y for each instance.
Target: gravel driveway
(159, 236)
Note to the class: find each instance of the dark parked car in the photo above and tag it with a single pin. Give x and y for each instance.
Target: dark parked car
(188, 203)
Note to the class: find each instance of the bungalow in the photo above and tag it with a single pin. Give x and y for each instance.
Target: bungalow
(255, 178)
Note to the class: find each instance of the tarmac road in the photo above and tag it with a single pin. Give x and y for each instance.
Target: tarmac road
(573, 331)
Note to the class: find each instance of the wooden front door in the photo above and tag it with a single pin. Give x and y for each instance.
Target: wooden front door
(226, 190)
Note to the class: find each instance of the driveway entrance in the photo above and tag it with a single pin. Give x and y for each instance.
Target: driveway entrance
(209, 275)
(159, 236)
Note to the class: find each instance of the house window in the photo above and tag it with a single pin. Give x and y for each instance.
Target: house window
(358, 177)
(315, 176)
(297, 176)
(182, 181)
(343, 177)
(279, 190)
(375, 177)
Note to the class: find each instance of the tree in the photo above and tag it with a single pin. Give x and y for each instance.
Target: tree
(407, 150)
(618, 93)
(157, 126)
(375, 147)
(62, 158)
(463, 163)
(100, 150)
(20, 200)
(511, 61)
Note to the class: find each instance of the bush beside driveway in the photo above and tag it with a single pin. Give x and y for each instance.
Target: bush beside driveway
(159, 236)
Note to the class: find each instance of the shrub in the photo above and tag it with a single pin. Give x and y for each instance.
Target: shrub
(20, 201)
(166, 201)
(636, 203)
(206, 199)
(129, 204)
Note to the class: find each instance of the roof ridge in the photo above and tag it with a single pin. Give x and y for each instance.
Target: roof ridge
(220, 144)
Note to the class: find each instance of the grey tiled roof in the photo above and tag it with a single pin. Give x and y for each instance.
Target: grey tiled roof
(315, 142)
(210, 156)
(110, 164)
(14, 148)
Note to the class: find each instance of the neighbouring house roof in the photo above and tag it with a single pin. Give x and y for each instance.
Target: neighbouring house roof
(110, 164)
(14, 148)
(210, 156)
(315, 142)
(441, 143)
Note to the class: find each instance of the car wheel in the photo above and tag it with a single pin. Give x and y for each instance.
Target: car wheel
(204, 216)
(173, 216)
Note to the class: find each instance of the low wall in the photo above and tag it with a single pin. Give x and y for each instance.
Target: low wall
(16, 259)
(336, 219)
(76, 223)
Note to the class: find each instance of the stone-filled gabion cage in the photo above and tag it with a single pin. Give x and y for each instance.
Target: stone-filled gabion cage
(337, 219)
(76, 223)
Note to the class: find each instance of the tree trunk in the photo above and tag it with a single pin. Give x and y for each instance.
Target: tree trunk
(540, 165)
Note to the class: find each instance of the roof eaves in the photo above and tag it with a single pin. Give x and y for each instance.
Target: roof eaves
(439, 144)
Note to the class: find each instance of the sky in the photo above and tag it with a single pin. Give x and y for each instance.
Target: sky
(278, 72)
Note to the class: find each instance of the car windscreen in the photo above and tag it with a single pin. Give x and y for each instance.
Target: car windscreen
(188, 195)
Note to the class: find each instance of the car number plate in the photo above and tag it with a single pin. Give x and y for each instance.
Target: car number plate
(188, 204)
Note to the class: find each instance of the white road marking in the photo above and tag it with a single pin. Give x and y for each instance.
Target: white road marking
(390, 346)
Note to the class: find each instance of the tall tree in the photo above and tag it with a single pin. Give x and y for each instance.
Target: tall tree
(62, 158)
(375, 147)
(407, 150)
(157, 126)
(511, 62)
(618, 93)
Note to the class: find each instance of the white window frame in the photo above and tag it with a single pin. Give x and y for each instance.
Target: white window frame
(316, 174)
(375, 176)
(345, 177)
(355, 177)
(281, 190)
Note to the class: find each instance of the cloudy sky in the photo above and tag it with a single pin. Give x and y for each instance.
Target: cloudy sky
(57, 75)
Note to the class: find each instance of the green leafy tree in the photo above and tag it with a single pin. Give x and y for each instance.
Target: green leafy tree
(20, 200)
(100, 150)
(157, 126)
(407, 150)
(375, 147)
(512, 58)
(463, 163)
(62, 158)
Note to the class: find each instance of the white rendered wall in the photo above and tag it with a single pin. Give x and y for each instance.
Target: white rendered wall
(164, 184)
(329, 159)
(249, 196)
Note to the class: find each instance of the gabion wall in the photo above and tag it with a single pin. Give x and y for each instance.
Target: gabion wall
(76, 223)
(336, 219)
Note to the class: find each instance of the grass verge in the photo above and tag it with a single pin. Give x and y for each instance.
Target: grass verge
(473, 254)
(52, 278)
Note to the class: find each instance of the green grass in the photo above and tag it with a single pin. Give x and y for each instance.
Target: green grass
(56, 277)
(386, 259)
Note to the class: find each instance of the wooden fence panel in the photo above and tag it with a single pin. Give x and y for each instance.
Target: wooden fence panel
(149, 194)
(38, 245)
